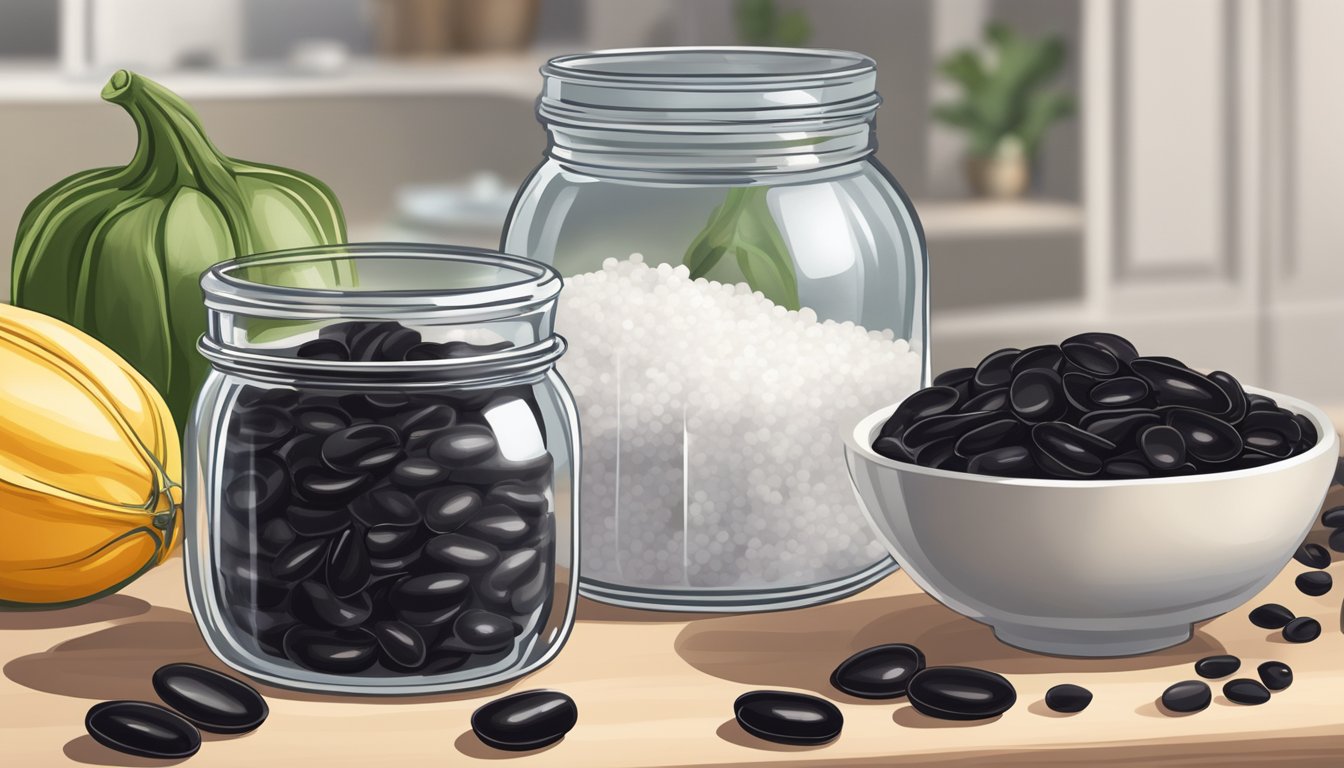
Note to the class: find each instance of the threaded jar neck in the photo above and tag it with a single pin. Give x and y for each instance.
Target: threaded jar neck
(734, 115)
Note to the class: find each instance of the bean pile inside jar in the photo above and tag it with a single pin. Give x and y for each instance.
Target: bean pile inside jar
(386, 530)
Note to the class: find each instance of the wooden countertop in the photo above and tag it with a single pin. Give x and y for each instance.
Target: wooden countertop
(657, 690)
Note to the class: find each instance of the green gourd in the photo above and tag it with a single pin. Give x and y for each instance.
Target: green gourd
(118, 252)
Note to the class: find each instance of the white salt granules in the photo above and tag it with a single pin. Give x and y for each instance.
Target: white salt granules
(711, 425)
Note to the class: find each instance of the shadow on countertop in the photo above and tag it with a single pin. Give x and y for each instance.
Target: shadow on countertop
(118, 662)
(779, 649)
(84, 749)
(110, 608)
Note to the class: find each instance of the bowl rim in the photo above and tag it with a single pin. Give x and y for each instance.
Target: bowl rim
(859, 441)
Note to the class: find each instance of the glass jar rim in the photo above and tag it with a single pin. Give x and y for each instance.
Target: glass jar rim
(228, 290)
(705, 65)
(731, 88)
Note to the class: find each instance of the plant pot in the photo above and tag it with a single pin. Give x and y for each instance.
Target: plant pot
(495, 25)
(1003, 175)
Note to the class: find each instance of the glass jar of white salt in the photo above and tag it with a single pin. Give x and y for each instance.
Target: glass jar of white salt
(744, 281)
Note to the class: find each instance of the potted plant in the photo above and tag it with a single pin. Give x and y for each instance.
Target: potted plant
(1004, 108)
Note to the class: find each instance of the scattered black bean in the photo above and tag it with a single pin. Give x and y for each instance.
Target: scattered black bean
(211, 700)
(1303, 629)
(144, 729)
(1214, 667)
(1187, 696)
(788, 718)
(1271, 616)
(1067, 697)
(1275, 675)
(960, 693)
(525, 721)
(1314, 583)
(880, 672)
(1246, 691)
(1336, 540)
(1312, 555)
(1333, 517)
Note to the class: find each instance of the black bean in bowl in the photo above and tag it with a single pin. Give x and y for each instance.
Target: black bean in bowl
(383, 532)
(1090, 407)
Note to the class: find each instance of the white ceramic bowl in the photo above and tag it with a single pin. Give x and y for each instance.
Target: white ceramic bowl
(1093, 567)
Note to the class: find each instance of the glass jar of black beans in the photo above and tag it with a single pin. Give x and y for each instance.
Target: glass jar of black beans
(382, 470)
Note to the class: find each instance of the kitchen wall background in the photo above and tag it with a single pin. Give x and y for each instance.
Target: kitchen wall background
(1191, 201)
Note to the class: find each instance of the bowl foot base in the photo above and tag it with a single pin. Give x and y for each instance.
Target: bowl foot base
(1070, 642)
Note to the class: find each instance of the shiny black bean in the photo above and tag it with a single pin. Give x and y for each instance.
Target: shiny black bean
(1207, 438)
(1064, 450)
(448, 509)
(321, 421)
(419, 426)
(299, 560)
(310, 521)
(322, 487)
(894, 449)
(531, 594)
(930, 401)
(500, 526)
(785, 717)
(944, 426)
(1175, 385)
(525, 499)
(1067, 698)
(940, 454)
(1163, 447)
(211, 700)
(260, 428)
(347, 566)
(361, 448)
(1309, 435)
(1037, 395)
(513, 568)
(315, 604)
(1235, 394)
(339, 652)
(250, 584)
(1275, 675)
(1010, 461)
(1246, 691)
(1127, 466)
(1312, 555)
(1118, 346)
(498, 469)
(989, 400)
(461, 552)
(1336, 540)
(995, 434)
(1046, 356)
(1314, 583)
(1333, 517)
(144, 729)
(415, 474)
(1271, 616)
(880, 672)
(463, 444)
(481, 631)
(431, 599)
(525, 721)
(1090, 358)
(995, 370)
(956, 378)
(1187, 696)
(1303, 629)
(1214, 667)
(386, 506)
(960, 693)
(1118, 426)
(401, 645)
(1120, 392)
(1078, 388)
(259, 490)
(392, 540)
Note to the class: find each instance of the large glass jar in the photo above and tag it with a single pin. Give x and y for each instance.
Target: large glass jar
(743, 282)
(381, 472)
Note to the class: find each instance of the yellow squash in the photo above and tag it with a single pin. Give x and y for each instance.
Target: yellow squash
(89, 466)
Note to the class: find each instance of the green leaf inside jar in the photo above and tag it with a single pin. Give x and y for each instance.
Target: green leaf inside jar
(743, 229)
